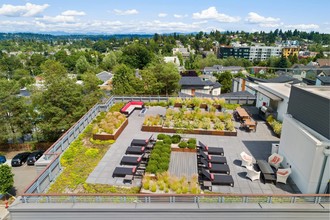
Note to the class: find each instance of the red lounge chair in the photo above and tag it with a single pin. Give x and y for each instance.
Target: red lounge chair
(127, 160)
(213, 159)
(215, 167)
(135, 150)
(211, 150)
(123, 171)
(217, 179)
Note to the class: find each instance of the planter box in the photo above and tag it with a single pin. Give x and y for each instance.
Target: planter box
(271, 128)
(187, 150)
(114, 136)
(178, 105)
(173, 130)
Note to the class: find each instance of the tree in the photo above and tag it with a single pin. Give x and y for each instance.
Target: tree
(58, 103)
(136, 56)
(168, 78)
(15, 120)
(225, 79)
(109, 61)
(92, 93)
(82, 65)
(122, 79)
(6, 179)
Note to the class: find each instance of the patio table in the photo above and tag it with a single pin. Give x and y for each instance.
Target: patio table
(266, 171)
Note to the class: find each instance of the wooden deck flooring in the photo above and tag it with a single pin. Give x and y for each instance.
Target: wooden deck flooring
(183, 164)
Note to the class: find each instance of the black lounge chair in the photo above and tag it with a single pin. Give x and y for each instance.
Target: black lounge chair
(123, 171)
(141, 142)
(213, 159)
(127, 160)
(135, 150)
(217, 179)
(211, 150)
(215, 167)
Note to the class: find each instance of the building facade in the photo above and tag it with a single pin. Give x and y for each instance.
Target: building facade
(305, 138)
(237, 52)
(261, 53)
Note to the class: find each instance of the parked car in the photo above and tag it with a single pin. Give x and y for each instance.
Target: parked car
(19, 159)
(34, 156)
(2, 159)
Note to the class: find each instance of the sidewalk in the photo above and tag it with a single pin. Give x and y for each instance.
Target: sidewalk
(4, 214)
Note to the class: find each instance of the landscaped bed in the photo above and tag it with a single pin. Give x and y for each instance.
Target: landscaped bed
(109, 125)
(194, 121)
(80, 159)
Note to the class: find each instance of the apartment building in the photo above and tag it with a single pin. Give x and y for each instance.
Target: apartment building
(264, 52)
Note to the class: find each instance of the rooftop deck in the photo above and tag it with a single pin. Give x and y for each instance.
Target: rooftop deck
(258, 144)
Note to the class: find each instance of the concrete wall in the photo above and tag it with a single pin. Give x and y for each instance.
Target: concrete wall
(282, 108)
(261, 98)
(304, 153)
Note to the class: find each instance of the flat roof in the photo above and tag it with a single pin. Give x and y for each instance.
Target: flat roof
(280, 89)
(323, 91)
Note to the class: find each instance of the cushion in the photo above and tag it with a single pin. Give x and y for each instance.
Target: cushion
(212, 176)
(133, 169)
(209, 157)
(142, 149)
(275, 159)
(139, 159)
(284, 172)
(210, 165)
(147, 140)
(207, 148)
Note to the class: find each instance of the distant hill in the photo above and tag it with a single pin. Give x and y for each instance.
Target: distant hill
(66, 36)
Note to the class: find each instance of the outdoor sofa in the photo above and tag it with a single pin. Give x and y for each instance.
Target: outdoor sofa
(211, 150)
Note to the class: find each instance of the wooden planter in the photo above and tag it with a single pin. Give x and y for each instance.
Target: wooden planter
(114, 136)
(186, 150)
(178, 105)
(160, 129)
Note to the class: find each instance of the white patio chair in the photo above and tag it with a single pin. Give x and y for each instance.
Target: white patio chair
(252, 174)
(275, 160)
(282, 175)
(247, 160)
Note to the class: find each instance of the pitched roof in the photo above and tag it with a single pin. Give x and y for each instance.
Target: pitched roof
(239, 94)
(323, 62)
(192, 81)
(104, 76)
(324, 79)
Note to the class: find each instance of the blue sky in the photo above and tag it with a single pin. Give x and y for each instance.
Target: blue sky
(162, 16)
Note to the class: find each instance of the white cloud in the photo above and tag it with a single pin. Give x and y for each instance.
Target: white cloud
(212, 13)
(57, 19)
(27, 10)
(255, 18)
(162, 15)
(73, 13)
(303, 26)
(127, 12)
(180, 16)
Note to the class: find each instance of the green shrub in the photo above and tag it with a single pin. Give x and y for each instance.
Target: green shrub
(161, 136)
(183, 144)
(146, 184)
(192, 146)
(167, 140)
(176, 138)
(92, 152)
(101, 142)
(270, 119)
(153, 187)
(192, 141)
(151, 168)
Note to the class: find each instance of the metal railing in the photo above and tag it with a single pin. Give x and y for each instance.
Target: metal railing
(54, 152)
(175, 198)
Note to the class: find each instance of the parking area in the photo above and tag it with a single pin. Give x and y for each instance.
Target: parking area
(23, 175)
(258, 144)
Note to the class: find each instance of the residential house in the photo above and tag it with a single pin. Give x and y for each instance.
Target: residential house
(305, 138)
(184, 51)
(322, 81)
(195, 86)
(221, 69)
(323, 62)
(290, 51)
(106, 78)
(172, 59)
